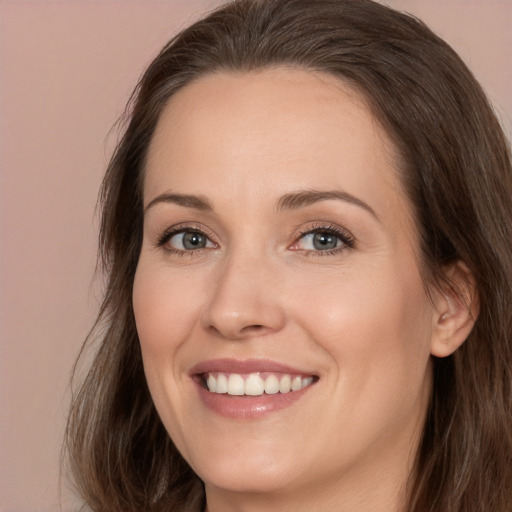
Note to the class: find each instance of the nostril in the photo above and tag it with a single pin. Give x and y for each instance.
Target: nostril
(253, 328)
(233, 332)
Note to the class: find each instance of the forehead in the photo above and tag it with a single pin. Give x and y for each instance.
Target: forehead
(300, 128)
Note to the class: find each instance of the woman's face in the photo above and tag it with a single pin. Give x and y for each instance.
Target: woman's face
(279, 267)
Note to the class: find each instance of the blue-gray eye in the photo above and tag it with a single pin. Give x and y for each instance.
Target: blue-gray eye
(323, 241)
(320, 241)
(189, 241)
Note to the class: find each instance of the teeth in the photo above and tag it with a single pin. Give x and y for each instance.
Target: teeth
(271, 385)
(296, 383)
(306, 381)
(222, 384)
(285, 385)
(212, 384)
(236, 384)
(254, 385)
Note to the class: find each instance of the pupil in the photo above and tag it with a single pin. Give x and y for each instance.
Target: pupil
(193, 241)
(324, 241)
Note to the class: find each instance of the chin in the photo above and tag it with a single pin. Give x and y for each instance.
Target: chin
(250, 469)
(240, 478)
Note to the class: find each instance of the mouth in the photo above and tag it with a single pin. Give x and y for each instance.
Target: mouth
(255, 384)
(250, 389)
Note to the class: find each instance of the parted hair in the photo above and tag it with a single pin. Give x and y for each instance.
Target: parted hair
(456, 167)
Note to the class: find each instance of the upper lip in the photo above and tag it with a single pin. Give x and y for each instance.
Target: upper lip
(245, 366)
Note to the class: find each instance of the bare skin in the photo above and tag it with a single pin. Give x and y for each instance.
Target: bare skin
(276, 229)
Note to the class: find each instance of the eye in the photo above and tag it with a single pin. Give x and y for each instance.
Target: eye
(323, 239)
(185, 240)
(320, 241)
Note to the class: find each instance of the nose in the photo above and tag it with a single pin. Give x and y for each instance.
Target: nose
(246, 300)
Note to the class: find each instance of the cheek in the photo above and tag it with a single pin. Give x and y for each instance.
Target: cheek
(164, 311)
(376, 331)
(376, 323)
(164, 308)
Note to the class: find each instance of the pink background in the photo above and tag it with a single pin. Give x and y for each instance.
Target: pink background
(67, 69)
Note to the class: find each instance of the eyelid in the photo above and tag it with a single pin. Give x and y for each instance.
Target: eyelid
(184, 227)
(348, 240)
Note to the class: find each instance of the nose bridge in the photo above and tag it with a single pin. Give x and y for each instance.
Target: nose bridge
(244, 301)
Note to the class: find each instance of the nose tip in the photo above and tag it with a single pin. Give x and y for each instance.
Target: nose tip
(241, 305)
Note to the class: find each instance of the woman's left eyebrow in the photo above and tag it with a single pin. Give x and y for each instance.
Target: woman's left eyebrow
(303, 198)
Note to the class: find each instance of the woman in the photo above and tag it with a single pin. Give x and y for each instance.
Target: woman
(306, 228)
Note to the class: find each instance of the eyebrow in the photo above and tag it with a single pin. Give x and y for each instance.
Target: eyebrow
(301, 199)
(291, 201)
(186, 200)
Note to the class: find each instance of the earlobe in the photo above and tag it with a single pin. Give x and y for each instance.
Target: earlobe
(456, 311)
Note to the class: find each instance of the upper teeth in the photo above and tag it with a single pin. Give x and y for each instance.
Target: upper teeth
(254, 384)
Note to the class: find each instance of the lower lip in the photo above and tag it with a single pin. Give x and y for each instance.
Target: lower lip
(249, 407)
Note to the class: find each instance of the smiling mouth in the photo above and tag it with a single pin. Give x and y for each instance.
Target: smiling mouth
(255, 384)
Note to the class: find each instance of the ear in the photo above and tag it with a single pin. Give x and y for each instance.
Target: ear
(456, 310)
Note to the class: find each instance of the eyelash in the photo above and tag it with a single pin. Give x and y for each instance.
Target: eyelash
(348, 240)
(176, 230)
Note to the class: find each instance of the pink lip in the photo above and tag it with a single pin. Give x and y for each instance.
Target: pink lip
(246, 366)
(245, 407)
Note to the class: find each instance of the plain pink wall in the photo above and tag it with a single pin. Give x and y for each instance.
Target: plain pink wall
(67, 68)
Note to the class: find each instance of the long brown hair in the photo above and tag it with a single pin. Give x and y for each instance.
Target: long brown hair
(457, 171)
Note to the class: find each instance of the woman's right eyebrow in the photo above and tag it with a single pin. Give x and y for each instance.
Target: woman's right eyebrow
(187, 200)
